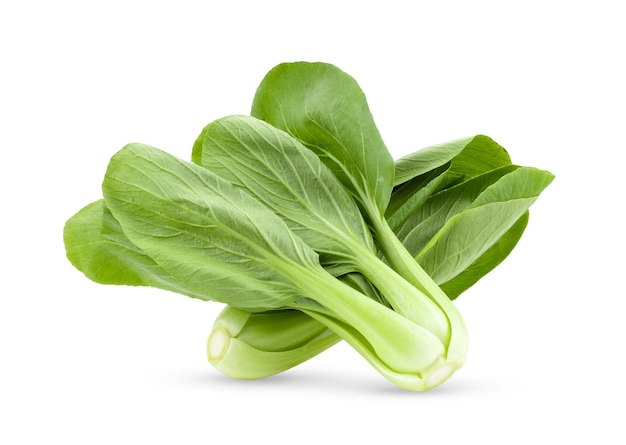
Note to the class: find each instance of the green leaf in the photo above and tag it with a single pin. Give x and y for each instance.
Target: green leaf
(470, 233)
(486, 262)
(428, 159)
(292, 181)
(469, 157)
(205, 232)
(326, 110)
(432, 169)
(481, 155)
(430, 217)
(96, 245)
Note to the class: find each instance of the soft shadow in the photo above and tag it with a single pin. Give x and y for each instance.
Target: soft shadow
(456, 386)
(318, 382)
(321, 382)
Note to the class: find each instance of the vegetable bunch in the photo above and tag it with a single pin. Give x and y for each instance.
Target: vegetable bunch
(299, 220)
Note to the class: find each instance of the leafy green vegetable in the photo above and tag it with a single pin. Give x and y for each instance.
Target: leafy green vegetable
(299, 221)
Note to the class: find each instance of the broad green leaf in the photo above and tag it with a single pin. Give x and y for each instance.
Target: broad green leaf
(434, 168)
(469, 157)
(467, 235)
(428, 159)
(430, 217)
(291, 180)
(481, 155)
(205, 232)
(486, 262)
(326, 110)
(96, 245)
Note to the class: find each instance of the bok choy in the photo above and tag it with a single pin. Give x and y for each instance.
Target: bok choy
(298, 219)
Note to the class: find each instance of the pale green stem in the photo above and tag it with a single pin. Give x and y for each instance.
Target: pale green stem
(403, 262)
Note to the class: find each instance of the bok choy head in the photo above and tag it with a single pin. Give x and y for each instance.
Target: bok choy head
(299, 221)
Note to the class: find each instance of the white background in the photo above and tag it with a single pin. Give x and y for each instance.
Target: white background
(83, 363)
